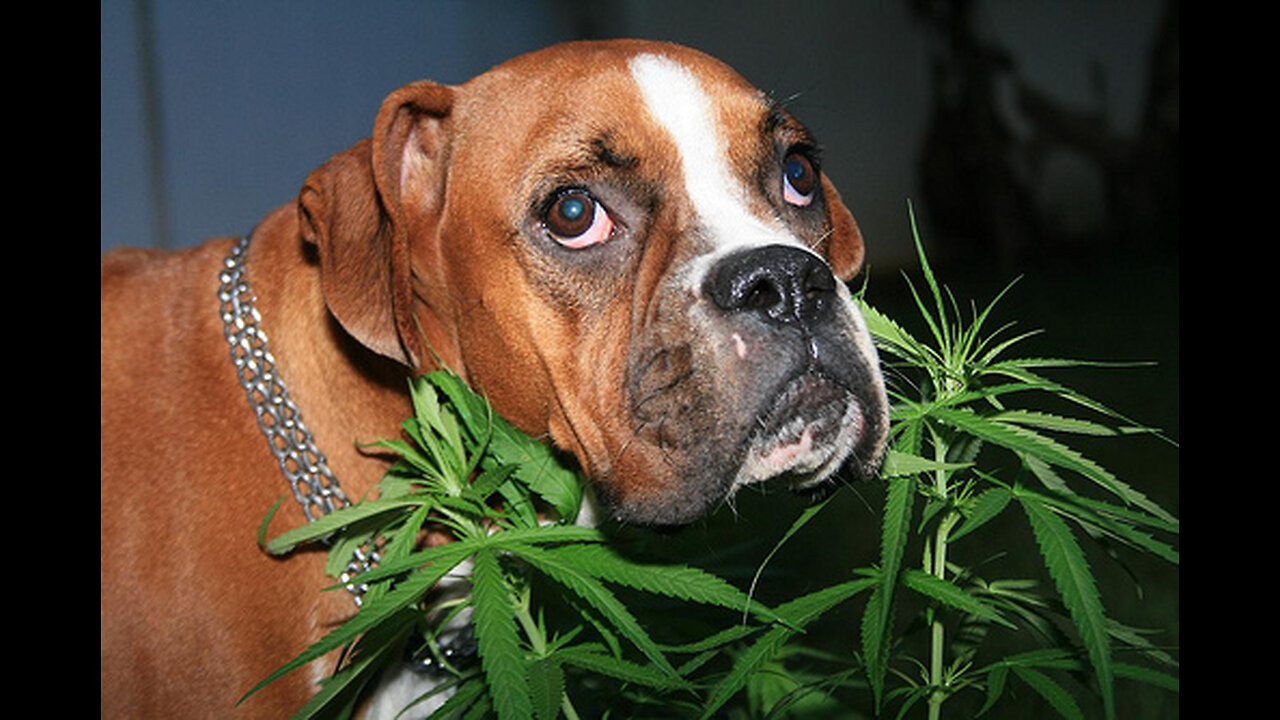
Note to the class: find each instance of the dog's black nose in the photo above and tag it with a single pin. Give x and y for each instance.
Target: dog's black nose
(781, 284)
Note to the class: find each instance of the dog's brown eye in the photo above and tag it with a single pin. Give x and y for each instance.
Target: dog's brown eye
(571, 214)
(576, 220)
(799, 179)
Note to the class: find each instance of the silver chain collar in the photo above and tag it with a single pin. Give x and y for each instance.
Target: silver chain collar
(314, 485)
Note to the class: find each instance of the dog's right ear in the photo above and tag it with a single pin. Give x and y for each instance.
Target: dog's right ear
(350, 208)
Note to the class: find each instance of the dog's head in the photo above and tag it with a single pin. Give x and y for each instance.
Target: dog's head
(623, 244)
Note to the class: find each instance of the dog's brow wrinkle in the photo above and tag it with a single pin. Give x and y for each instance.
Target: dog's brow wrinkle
(603, 150)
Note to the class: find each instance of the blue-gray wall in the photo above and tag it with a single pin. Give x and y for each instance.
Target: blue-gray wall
(248, 97)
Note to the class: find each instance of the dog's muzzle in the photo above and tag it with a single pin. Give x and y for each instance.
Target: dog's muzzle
(809, 415)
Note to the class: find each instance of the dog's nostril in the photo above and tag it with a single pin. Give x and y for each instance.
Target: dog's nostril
(778, 283)
(761, 295)
(818, 283)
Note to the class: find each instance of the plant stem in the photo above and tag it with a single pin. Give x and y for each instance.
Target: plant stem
(538, 642)
(939, 569)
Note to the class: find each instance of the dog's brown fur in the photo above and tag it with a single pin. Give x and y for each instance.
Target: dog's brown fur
(357, 289)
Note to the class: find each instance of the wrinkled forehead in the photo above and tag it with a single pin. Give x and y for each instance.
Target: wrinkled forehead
(720, 132)
(680, 118)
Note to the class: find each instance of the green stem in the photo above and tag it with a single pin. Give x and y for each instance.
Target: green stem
(570, 713)
(938, 567)
(538, 642)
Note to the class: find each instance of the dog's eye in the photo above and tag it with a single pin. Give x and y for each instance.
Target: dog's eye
(576, 220)
(799, 179)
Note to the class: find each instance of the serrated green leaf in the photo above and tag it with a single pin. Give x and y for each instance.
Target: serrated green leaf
(948, 593)
(797, 613)
(1147, 675)
(1058, 423)
(338, 519)
(801, 611)
(453, 552)
(435, 420)
(497, 640)
(940, 332)
(889, 336)
(989, 393)
(546, 688)
(469, 690)
(391, 567)
(896, 524)
(401, 543)
(1017, 369)
(519, 504)
(410, 454)
(1058, 658)
(615, 667)
(995, 688)
(545, 534)
(481, 709)
(1070, 571)
(489, 481)
(554, 483)
(1058, 698)
(898, 464)
(538, 466)
(678, 581)
(911, 696)
(598, 597)
(344, 546)
(1022, 440)
(731, 634)
(745, 665)
(374, 614)
(989, 356)
(984, 508)
(1133, 638)
(895, 527)
(473, 409)
(350, 680)
(976, 341)
(1115, 522)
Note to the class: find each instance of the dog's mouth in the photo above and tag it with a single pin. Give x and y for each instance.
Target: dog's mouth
(804, 436)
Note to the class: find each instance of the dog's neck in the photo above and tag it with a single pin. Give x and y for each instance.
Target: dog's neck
(349, 394)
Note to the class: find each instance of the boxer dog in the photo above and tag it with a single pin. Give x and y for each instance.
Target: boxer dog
(625, 246)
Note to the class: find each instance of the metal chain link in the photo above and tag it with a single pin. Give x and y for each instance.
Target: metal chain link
(314, 485)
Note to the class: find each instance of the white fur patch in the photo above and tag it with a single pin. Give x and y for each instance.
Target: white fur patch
(680, 105)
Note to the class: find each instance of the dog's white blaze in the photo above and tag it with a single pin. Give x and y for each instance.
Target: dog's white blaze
(678, 103)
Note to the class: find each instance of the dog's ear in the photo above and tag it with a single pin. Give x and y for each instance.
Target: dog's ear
(350, 209)
(844, 240)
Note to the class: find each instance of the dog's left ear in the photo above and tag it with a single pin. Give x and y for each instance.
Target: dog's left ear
(843, 246)
(351, 209)
(410, 159)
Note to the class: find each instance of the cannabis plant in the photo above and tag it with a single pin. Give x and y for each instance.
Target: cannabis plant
(557, 609)
(509, 504)
(954, 410)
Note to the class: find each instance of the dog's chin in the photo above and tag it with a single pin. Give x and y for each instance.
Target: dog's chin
(804, 438)
(801, 438)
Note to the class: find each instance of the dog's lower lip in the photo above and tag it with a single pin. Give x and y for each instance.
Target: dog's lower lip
(807, 396)
(798, 435)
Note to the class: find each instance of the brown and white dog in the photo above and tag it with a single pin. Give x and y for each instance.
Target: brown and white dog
(628, 248)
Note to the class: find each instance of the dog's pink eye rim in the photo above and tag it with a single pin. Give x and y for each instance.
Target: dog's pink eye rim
(576, 220)
(799, 180)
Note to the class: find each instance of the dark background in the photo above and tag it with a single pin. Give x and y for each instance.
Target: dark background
(1033, 139)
